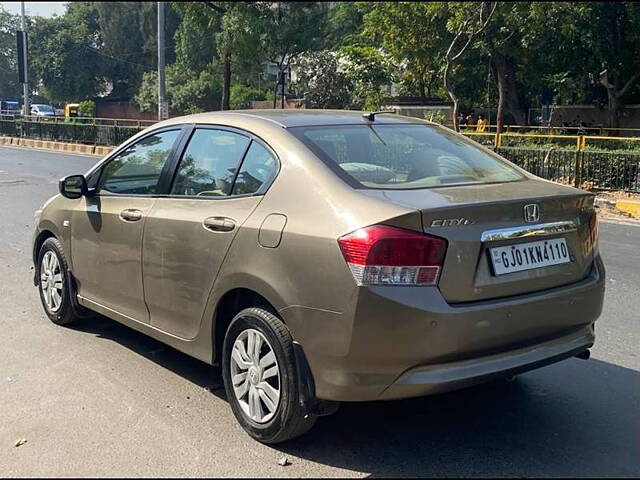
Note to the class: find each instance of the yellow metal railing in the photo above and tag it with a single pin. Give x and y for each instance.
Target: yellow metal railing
(557, 130)
(594, 140)
(573, 142)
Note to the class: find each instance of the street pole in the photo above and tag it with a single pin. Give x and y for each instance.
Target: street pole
(283, 81)
(25, 85)
(162, 109)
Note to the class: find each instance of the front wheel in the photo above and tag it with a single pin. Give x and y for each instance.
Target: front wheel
(259, 373)
(54, 283)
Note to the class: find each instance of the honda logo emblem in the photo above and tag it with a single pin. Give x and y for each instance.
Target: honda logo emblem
(531, 213)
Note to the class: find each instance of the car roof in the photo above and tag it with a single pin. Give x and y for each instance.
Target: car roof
(298, 117)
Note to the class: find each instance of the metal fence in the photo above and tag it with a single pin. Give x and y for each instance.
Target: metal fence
(606, 163)
(78, 131)
(557, 130)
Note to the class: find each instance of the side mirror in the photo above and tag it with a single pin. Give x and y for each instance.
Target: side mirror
(73, 186)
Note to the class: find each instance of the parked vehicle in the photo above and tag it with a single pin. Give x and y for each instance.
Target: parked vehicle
(71, 110)
(323, 257)
(42, 110)
(9, 107)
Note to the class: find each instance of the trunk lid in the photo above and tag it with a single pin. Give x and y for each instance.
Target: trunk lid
(461, 214)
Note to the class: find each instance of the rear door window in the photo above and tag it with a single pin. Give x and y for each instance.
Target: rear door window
(258, 169)
(210, 162)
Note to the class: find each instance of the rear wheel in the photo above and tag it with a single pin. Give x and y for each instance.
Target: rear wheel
(260, 379)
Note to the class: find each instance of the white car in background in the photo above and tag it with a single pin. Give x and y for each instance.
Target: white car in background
(42, 110)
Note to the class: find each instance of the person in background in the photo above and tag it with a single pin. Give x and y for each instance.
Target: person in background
(482, 124)
(462, 120)
(470, 121)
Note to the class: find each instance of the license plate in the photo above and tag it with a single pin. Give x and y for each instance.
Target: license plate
(526, 256)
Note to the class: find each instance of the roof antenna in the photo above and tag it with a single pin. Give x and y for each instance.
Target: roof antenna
(371, 116)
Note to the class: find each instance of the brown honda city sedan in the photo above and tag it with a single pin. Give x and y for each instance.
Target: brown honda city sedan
(321, 257)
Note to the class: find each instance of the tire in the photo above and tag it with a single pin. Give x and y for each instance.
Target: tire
(60, 312)
(289, 419)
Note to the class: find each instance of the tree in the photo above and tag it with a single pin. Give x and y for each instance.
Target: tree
(227, 33)
(241, 96)
(553, 33)
(615, 41)
(237, 41)
(127, 47)
(502, 44)
(467, 22)
(414, 34)
(289, 29)
(9, 87)
(345, 24)
(195, 42)
(87, 108)
(321, 81)
(187, 91)
(57, 46)
(369, 70)
(588, 52)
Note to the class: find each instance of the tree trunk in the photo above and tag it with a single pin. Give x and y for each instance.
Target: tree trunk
(423, 89)
(500, 110)
(226, 81)
(508, 99)
(615, 95)
(614, 110)
(452, 95)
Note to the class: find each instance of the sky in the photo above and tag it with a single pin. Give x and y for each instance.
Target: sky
(42, 9)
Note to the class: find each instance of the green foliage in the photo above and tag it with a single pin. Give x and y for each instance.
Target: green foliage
(320, 80)
(186, 91)
(242, 96)
(87, 108)
(414, 34)
(128, 41)
(58, 47)
(9, 87)
(289, 29)
(344, 26)
(369, 70)
(195, 36)
(437, 117)
(346, 53)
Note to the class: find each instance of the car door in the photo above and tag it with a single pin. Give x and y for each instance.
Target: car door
(107, 227)
(219, 180)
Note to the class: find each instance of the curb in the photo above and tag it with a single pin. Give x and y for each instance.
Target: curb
(56, 146)
(632, 207)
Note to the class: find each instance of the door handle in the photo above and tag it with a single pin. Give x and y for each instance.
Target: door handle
(131, 215)
(219, 224)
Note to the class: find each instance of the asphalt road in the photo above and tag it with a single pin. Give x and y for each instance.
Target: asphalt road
(100, 399)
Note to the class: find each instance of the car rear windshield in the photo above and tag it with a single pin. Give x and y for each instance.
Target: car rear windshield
(404, 156)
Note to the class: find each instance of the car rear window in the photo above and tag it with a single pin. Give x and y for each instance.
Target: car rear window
(404, 156)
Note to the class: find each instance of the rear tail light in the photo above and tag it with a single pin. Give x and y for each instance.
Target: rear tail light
(384, 255)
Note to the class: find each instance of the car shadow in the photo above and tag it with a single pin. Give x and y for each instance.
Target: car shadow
(576, 418)
(194, 370)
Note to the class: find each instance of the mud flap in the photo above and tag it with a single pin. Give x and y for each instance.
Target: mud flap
(307, 388)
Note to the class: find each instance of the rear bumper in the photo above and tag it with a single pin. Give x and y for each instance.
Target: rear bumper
(400, 342)
(451, 376)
